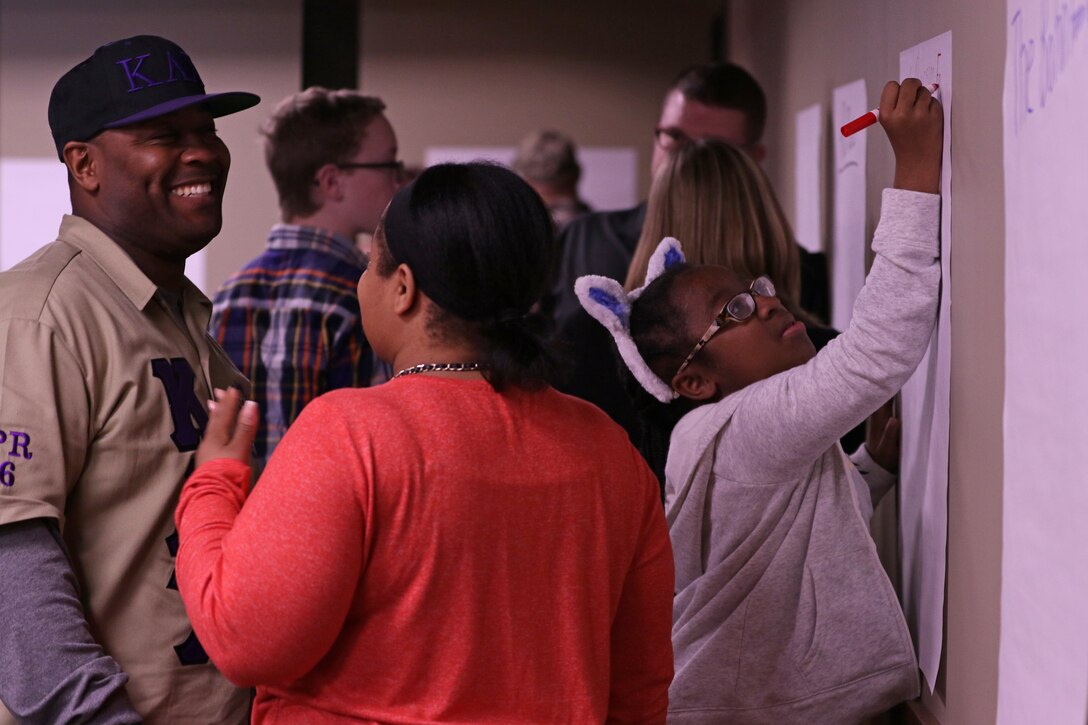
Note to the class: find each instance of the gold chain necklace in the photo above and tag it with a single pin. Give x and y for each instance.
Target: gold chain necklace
(435, 367)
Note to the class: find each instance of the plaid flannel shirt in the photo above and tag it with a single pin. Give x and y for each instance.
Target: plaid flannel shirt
(290, 321)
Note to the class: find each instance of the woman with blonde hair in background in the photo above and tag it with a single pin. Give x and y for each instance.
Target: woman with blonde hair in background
(715, 199)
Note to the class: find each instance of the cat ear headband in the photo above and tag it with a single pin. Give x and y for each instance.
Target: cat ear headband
(608, 303)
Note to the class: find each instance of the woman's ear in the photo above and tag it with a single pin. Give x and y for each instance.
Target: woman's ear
(405, 292)
(694, 385)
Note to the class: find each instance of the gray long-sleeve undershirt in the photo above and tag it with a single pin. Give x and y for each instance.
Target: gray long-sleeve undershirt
(51, 669)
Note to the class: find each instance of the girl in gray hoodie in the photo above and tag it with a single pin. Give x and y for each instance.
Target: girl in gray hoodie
(782, 612)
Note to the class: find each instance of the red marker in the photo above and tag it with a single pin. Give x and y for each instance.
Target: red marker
(866, 120)
(861, 122)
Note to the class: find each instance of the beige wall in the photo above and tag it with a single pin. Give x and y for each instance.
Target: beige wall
(801, 50)
(485, 73)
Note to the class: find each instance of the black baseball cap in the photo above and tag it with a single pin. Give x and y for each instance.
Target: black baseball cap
(128, 81)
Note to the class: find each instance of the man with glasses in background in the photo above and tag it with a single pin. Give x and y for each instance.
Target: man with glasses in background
(714, 101)
(290, 318)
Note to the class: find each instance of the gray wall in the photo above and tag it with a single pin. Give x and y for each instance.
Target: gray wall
(801, 50)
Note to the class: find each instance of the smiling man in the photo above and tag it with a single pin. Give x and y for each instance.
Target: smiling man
(104, 369)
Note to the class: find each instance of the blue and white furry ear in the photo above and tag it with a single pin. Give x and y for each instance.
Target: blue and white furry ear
(667, 255)
(608, 303)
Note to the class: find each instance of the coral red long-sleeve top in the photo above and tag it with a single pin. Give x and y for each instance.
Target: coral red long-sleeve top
(431, 551)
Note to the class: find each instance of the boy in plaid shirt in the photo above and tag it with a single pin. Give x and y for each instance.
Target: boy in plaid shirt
(290, 318)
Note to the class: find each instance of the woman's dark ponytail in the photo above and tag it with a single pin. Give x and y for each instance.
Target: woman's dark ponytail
(518, 352)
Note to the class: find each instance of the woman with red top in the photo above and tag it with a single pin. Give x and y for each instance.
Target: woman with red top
(462, 544)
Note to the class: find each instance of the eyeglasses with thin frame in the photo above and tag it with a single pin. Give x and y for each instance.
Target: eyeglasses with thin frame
(397, 166)
(738, 309)
(671, 138)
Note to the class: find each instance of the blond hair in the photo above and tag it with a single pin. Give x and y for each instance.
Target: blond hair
(716, 200)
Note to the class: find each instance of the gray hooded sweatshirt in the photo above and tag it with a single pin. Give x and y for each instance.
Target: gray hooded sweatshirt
(782, 612)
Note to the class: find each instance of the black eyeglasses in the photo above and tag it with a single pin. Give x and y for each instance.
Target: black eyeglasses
(739, 308)
(668, 138)
(671, 138)
(397, 166)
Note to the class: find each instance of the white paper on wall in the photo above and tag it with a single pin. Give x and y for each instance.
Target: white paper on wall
(609, 177)
(33, 198)
(923, 480)
(848, 231)
(807, 219)
(609, 173)
(1043, 661)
